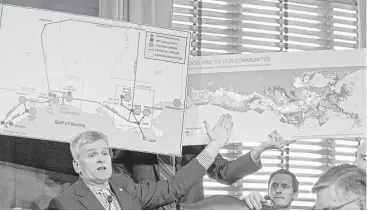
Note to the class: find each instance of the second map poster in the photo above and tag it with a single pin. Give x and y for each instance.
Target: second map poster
(317, 94)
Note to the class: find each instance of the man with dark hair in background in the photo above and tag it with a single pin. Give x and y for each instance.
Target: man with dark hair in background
(282, 189)
(342, 187)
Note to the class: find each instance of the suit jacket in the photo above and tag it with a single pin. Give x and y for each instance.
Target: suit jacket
(220, 202)
(149, 195)
(144, 167)
(216, 202)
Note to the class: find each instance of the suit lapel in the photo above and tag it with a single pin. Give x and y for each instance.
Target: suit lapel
(156, 169)
(125, 200)
(87, 198)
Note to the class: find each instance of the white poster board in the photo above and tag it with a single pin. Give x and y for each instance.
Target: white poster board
(62, 74)
(313, 94)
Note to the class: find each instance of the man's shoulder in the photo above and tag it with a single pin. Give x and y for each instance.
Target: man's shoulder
(124, 181)
(65, 199)
(67, 190)
(122, 177)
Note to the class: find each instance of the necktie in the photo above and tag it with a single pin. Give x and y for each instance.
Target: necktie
(108, 201)
(166, 171)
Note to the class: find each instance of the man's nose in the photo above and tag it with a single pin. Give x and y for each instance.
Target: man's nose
(101, 159)
(278, 190)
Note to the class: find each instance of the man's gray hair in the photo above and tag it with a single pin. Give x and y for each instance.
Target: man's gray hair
(346, 176)
(85, 138)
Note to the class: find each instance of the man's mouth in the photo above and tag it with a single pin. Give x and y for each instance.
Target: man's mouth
(102, 168)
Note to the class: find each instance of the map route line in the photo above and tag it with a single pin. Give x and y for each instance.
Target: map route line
(22, 100)
(43, 51)
(141, 118)
(125, 107)
(135, 72)
(14, 117)
(138, 123)
(47, 101)
(44, 59)
(11, 111)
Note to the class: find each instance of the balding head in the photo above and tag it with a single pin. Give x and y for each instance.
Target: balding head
(342, 187)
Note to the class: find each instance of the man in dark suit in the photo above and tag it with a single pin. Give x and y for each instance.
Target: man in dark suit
(144, 167)
(219, 202)
(282, 189)
(97, 188)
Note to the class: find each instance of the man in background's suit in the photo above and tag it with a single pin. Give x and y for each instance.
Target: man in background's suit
(97, 188)
(144, 167)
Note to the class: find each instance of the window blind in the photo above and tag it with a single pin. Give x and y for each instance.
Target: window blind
(252, 26)
(255, 26)
(345, 150)
(308, 159)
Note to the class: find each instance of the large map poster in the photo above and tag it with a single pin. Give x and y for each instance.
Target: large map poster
(318, 94)
(61, 74)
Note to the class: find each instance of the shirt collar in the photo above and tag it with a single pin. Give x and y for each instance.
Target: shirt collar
(97, 188)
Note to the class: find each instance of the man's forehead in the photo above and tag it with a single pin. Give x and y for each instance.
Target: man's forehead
(281, 179)
(95, 145)
(325, 199)
(328, 197)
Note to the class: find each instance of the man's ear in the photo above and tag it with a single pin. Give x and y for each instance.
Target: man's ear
(76, 166)
(362, 204)
(295, 195)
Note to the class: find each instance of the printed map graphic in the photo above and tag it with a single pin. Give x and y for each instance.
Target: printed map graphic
(299, 103)
(62, 74)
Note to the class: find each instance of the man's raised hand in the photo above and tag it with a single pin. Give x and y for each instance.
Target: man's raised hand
(221, 131)
(275, 141)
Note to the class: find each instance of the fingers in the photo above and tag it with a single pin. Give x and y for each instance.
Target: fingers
(262, 199)
(255, 201)
(207, 127)
(289, 141)
(227, 121)
(259, 199)
(257, 204)
(230, 126)
(279, 138)
(247, 201)
(220, 120)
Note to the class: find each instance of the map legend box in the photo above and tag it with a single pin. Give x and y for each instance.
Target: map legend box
(165, 47)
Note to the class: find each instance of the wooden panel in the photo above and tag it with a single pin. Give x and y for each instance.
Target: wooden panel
(84, 7)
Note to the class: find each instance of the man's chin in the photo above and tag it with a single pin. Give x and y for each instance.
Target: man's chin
(279, 202)
(104, 175)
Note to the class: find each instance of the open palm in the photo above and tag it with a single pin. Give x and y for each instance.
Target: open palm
(221, 130)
